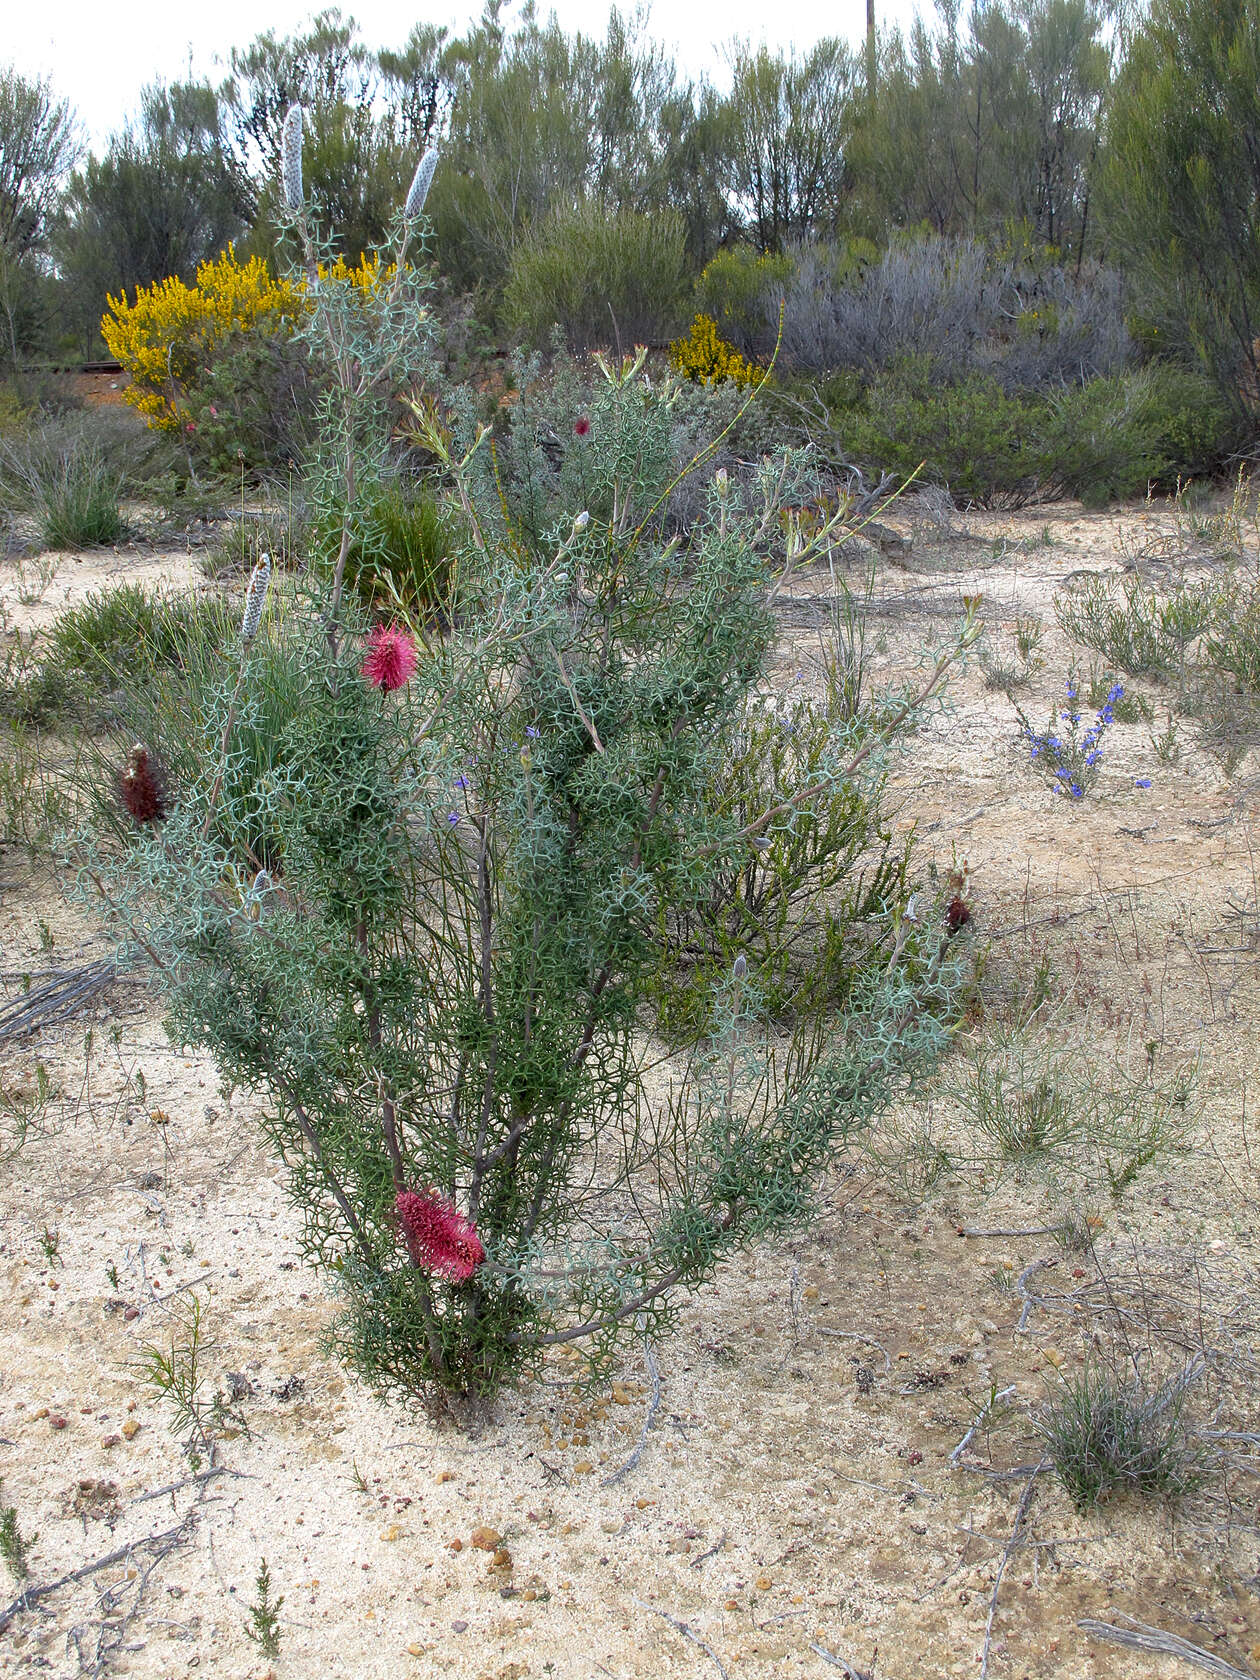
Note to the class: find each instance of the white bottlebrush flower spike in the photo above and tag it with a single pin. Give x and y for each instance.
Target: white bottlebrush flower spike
(420, 182)
(256, 598)
(292, 158)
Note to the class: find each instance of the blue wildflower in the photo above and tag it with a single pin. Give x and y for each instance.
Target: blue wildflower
(1142, 781)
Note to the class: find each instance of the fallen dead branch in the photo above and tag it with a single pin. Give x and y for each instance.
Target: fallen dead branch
(854, 1336)
(1008, 1552)
(1140, 1637)
(59, 994)
(989, 1406)
(711, 1551)
(162, 1542)
(839, 1662)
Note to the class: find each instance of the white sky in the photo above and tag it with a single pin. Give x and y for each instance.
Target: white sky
(99, 55)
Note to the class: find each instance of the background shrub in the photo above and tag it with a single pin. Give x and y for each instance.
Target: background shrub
(969, 434)
(704, 356)
(115, 641)
(739, 290)
(803, 907)
(404, 553)
(1110, 438)
(172, 332)
(69, 474)
(254, 408)
(1137, 628)
(603, 276)
(967, 308)
(77, 500)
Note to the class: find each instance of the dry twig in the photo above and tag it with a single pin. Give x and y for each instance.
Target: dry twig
(164, 1541)
(839, 1662)
(711, 1551)
(687, 1633)
(1008, 1552)
(854, 1336)
(1144, 1638)
(653, 1404)
(981, 1415)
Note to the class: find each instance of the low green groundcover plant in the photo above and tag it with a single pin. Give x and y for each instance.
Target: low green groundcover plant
(411, 892)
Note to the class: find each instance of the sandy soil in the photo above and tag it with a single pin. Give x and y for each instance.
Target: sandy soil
(795, 1506)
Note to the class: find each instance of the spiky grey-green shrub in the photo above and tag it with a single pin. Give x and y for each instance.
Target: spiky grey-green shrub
(435, 975)
(438, 984)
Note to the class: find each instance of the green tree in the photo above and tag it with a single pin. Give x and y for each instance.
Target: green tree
(163, 199)
(38, 147)
(420, 82)
(325, 69)
(1069, 73)
(542, 122)
(353, 152)
(787, 139)
(1182, 184)
(971, 129)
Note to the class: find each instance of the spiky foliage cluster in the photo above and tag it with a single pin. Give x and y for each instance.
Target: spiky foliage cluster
(421, 919)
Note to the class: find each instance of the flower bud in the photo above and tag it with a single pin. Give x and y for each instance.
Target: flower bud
(291, 158)
(256, 598)
(722, 482)
(581, 522)
(420, 182)
(740, 967)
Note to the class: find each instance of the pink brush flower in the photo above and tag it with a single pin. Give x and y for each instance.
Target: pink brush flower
(390, 658)
(439, 1238)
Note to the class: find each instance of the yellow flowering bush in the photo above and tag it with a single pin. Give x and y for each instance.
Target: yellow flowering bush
(707, 358)
(366, 276)
(168, 338)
